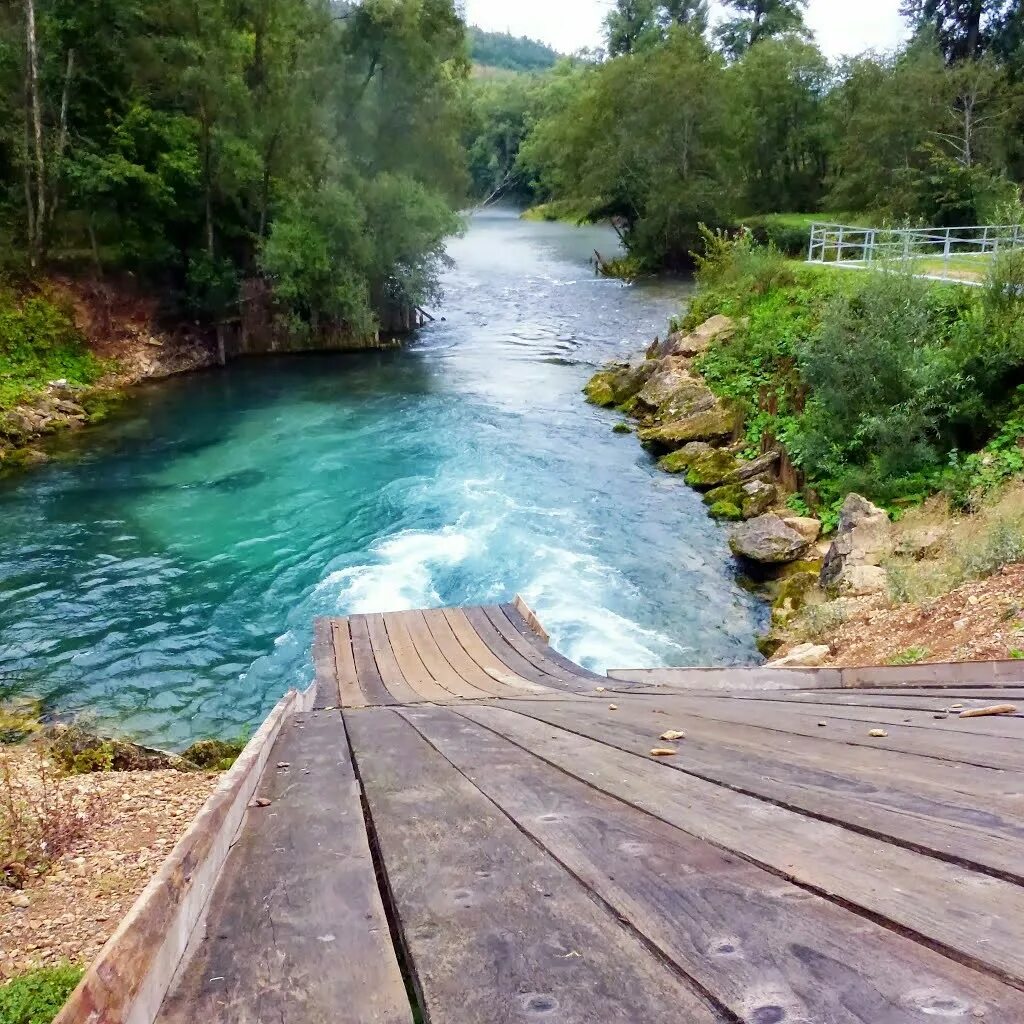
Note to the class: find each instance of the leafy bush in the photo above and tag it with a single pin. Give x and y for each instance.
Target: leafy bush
(39, 343)
(37, 997)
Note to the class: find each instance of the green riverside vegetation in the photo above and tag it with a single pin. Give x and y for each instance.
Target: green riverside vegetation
(36, 997)
(878, 383)
(198, 143)
(681, 123)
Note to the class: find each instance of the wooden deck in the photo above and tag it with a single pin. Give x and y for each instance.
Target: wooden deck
(471, 829)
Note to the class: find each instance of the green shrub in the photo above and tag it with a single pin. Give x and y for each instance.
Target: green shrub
(39, 343)
(37, 997)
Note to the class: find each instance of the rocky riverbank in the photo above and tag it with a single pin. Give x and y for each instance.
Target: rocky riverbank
(816, 584)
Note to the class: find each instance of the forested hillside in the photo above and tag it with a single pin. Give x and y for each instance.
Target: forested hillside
(687, 122)
(196, 143)
(513, 53)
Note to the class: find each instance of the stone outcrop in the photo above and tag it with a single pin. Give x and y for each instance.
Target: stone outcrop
(718, 423)
(852, 565)
(804, 656)
(767, 540)
(695, 342)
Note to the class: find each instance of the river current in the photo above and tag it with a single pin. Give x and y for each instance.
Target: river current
(164, 574)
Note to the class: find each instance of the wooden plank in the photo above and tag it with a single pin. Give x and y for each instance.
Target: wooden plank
(350, 692)
(411, 664)
(1006, 726)
(471, 626)
(736, 929)
(387, 665)
(989, 694)
(496, 930)
(989, 752)
(465, 650)
(893, 700)
(325, 673)
(370, 682)
(977, 919)
(530, 617)
(987, 833)
(727, 679)
(437, 664)
(516, 631)
(296, 930)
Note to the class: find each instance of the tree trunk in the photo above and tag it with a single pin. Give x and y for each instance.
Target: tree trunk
(62, 135)
(32, 68)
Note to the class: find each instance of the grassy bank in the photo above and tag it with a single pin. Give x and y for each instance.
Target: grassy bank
(877, 383)
(39, 343)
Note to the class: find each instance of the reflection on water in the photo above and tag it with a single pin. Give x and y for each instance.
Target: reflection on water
(165, 576)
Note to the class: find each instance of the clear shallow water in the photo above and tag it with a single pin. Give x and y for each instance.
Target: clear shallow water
(165, 577)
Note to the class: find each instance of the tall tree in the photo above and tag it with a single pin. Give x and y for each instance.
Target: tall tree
(965, 28)
(633, 24)
(754, 20)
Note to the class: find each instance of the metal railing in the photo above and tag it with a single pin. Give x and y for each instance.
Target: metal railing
(948, 254)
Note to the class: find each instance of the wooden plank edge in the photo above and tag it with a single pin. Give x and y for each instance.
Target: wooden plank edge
(520, 605)
(725, 679)
(945, 675)
(325, 674)
(130, 976)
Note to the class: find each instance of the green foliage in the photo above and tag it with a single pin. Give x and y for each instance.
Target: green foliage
(757, 20)
(215, 755)
(874, 382)
(37, 997)
(502, 50)
(194, 127)
(39, 343)
(911, 656)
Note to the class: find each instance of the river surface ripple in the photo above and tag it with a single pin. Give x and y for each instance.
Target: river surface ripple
(164, 575)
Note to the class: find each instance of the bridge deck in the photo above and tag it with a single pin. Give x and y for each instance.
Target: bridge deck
(482, 832)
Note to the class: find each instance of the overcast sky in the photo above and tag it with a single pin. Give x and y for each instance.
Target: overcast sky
(841, 26)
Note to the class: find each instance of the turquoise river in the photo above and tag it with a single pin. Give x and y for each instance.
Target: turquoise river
(164, 577)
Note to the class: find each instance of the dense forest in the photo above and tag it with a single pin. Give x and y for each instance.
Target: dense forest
(508, 52)
(196, 143)
(753, 119)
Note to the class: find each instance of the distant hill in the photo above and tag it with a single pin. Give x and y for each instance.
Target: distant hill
(501, 50)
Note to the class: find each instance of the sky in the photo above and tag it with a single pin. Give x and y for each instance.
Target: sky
(841, 26)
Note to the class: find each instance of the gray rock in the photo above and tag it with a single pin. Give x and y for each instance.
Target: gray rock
(757, 467)
(718, 328)
(863, 538)
(804, 656)
(758, 497)
(768, 540)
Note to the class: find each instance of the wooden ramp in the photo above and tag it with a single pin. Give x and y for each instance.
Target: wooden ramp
(471, 830)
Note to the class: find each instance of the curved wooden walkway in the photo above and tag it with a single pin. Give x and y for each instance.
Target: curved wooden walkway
(470, 829)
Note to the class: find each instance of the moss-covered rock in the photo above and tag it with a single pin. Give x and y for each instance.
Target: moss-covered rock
(600, 390)
(710, 468)
(680, 460)
(766, 540)
(77, 751)
(758, 497)
(792, 595)
(716, 424)
(622, 428)
(217, 755)
(730, 493)
(725, 510)
(19, 719)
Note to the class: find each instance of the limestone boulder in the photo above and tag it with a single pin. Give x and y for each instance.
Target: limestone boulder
(763, 465)
(808, 527)
(804, 656)
(767, 540)
(719, 423)
(669, 376)
(693, 343)
(680, 460)
(710, 468)
(758, 497)
(600, 389)
(863, 539)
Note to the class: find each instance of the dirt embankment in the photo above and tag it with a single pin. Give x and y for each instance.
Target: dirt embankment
(122, 326)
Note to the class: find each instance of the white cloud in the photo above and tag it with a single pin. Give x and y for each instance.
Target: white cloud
(841, 26)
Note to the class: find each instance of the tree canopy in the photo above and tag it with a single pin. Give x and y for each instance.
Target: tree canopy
(197, 142)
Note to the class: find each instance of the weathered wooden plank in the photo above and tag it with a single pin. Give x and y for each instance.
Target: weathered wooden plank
(437, 664)
(411, 663)
(296, 930)
(463, 647)
(350, 692)
(975, 918)
(467, 622)
(984, 832)
(991, 752)
(527, 644)
(724, 680)
(387, 665)
(758, 945)
(496, 930)
(325, 672)
(367, 673)
(1006, 726)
